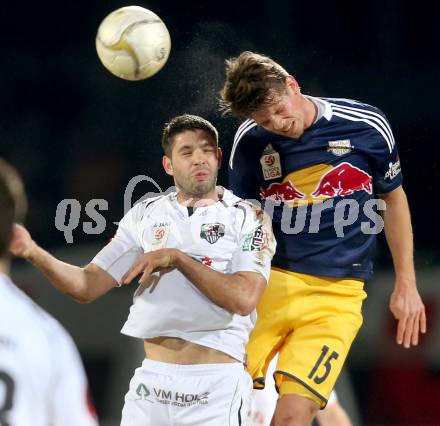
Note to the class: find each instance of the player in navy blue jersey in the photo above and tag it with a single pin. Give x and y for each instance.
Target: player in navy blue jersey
(325, 169)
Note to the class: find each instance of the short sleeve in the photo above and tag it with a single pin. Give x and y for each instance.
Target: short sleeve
(123, 250)
(256, 245)
(384, 159)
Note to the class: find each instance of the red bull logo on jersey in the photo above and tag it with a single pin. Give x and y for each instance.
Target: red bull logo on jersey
(318, 183)
(311, 192)
(343, 180)
(284, 192)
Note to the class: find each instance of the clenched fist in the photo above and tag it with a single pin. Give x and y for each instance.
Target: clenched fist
(21, 244)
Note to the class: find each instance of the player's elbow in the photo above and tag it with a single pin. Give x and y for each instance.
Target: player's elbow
(83, 294)
(244, 307)
(244, 311)
(83, 299)
(249, 291)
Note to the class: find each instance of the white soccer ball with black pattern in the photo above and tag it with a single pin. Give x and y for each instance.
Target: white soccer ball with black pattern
(133, 43)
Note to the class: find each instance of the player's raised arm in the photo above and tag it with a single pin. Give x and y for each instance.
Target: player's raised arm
(82, 284)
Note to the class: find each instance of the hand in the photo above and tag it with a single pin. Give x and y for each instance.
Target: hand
(407, 307)
(21, 244)
(148, 263)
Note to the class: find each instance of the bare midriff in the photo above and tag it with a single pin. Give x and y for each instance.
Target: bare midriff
(177, 351)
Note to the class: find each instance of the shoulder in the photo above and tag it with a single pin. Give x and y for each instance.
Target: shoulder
(245, 129)
(153, 202)
(248, 131)
(147, 206)
(350, 104)
(248, 210)
(350, 108)
(247, 205)
(233, 201)
(45, 321)
(361, 115)
(13, 301)
(36, 318)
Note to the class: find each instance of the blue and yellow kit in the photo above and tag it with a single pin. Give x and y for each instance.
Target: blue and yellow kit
(322, 193)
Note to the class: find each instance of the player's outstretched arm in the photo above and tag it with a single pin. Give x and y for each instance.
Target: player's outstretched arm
(238, 292)
(82, 284)
(405, 303)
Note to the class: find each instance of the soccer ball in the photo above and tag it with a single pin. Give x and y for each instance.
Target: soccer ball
(133, 43)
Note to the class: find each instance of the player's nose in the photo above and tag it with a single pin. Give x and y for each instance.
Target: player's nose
(199, 157)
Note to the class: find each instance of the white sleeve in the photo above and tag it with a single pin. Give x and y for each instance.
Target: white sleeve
(257, 243)
(122, 251)
(70, 401)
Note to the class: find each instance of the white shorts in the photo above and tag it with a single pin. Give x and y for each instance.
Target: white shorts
(164, 394)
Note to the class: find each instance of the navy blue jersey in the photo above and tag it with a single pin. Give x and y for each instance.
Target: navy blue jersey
(322, 187)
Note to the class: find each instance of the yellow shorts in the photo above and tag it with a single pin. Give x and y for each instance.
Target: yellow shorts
(311, 321)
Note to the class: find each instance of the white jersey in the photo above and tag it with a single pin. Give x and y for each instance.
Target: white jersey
(42, 380)
(229, 236)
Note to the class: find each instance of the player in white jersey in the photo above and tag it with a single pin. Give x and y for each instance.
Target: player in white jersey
(204, 259)
(42, 380)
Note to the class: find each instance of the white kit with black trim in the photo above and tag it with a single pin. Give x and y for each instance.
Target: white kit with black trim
(229, 236)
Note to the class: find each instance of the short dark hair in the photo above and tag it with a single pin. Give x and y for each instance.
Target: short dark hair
(182, 123)
(252, 81)
(13, 203)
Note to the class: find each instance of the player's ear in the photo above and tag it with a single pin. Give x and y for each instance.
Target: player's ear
(167, 165)
(219, 157)
(292, 83)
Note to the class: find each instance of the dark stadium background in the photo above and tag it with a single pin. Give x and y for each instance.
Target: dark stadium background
(76, 132)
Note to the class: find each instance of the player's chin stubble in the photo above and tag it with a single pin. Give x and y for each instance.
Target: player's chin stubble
(201, 189)
(198, 189)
